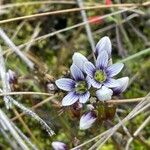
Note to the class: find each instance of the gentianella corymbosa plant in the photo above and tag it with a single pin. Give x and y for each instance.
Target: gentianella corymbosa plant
(93, 84)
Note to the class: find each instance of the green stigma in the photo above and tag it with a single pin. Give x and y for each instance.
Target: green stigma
(100, 76)
(81, 87)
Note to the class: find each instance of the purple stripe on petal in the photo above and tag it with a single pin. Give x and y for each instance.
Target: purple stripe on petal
(102, 60)
(76, 73)
(114, 69)
(84, 97)
(89, 69)
(104, 44)
(111, 83)
(87, 120)
(70, 99)
(123, 84)
(79, 60)
(88, 81)
(95, 84)
(65, 84)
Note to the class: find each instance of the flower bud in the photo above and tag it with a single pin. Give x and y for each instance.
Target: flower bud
(59, 145)
(122, 85)
(87, 120)
(11, 76)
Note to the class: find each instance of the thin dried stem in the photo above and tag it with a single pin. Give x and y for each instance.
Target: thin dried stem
(87, 27)
(38, 105)
(24, 93)
(72, 10)
(5, 84)
(71, 27)
(16, 49)
(35, 3)
(146, 121)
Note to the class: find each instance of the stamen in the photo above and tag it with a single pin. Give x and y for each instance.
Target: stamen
(81, 87)
(100, 76)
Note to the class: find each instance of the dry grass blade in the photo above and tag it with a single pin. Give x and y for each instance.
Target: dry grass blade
(16, 49)
(103, 137)
(70, 28)
(13, 132)
(5, 84)
(32, 114)
(146, 121)
(71, 10)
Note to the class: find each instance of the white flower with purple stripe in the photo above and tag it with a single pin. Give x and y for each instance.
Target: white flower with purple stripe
(77, 87)
(101, 73)
(104, 44)
(59, 145)
(79, 60)
(123, 84)
(87, 120)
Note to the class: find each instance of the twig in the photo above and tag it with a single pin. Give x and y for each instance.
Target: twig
(72, 27)
(24, 125)
(137, 132)
(87, 27)
(35, 3)
(71, 10)
(16, 49)
(32, 114)
(38, 105)
(144, 104)
(7, 123)
(25, 93)
(5, 84)
(34, 35)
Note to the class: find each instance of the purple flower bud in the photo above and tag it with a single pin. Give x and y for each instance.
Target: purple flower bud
(104, 93)
(59, 145)
(11, 76)
(51, 87)
(87, 120)
(123, 84)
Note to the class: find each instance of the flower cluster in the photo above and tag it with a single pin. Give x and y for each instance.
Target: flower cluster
(87, 77)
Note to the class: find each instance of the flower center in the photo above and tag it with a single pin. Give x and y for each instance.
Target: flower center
(100, 76)
(81, 87)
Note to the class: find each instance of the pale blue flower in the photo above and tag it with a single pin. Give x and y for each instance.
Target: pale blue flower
(104, 44)
(87, 120)
(77, 87)
(102, 74)
(56, 145)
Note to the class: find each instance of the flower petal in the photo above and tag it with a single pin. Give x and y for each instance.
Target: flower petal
(84, 98)
(70, 99)
(104, 94)
(88, 79)
(114, 69)
(111, 83)
(59, 145)
(102, 60)
(95, 84)
(123, 84)
(89, 68)
(87, 120)
(65, 84)
(104, 44)
(79, 60)
(76, 73)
